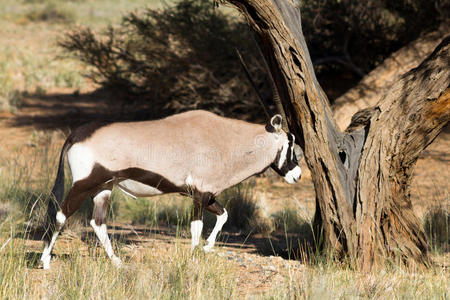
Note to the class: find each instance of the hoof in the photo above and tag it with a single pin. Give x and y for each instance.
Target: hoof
(208, 249)
(45, 259)
(116, 262)
(46, 263)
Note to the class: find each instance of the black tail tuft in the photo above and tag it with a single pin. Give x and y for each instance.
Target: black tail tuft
(57, 194)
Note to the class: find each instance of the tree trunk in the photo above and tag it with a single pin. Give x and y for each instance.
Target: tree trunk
(361, 176)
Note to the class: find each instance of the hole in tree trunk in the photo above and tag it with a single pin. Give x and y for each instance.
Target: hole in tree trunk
(342, 156)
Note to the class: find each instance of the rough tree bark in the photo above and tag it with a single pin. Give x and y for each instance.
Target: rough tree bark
(361, 176)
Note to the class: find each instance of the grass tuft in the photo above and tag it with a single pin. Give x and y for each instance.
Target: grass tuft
(288, 220)
(436, 225)
(332, 281)
(151, 275)
(244, 214)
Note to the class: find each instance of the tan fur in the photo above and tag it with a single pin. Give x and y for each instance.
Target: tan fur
(212, 151)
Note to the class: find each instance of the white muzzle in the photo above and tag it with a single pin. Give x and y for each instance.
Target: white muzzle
(293, 175)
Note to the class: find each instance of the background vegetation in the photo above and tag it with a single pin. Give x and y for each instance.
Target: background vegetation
(179, 58)
(183, 57)
(358, 35)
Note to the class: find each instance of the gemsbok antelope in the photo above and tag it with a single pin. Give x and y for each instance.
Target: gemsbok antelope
(195, 153)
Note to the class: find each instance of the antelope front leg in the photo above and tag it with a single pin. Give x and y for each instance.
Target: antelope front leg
(222, 217)
(196, 232)
(197, 224)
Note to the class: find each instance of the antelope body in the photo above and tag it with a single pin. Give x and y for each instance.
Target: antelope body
(195, 153)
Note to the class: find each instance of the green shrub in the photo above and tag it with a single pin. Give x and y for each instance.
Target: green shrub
(244, 214)
(177, 213)
(139, 211)
(241, 208)
(164, 210)
(180, 58)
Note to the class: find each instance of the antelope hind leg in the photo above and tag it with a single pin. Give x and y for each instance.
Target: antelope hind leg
(98, 223)
(49, 243)
(77, 194)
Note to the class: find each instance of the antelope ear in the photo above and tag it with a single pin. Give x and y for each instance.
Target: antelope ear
(276, 122)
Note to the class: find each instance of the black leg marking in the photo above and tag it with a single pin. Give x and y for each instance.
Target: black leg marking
(202, 201)
(101, 207)
(83, 189)
(215, 207)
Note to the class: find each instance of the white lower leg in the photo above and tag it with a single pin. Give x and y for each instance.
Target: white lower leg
(212, 237)
(102, 235)
(196, 232)
(47, 253)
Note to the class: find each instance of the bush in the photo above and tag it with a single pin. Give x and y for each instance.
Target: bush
(358, 35)
(288, 220)
(163, 210)
(243, 212)
(183, 57)
(180, 58)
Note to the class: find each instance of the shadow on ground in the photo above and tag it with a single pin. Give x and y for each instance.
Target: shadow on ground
(287, 246)
(67, 111)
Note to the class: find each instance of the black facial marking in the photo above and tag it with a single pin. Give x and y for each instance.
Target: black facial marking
(290, 161)
(270, 128)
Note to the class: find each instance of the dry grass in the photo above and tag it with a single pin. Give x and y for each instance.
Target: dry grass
(336, 282)
(171, 271)
(149, 275)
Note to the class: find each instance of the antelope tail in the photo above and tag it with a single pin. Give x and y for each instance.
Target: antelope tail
(57, 193)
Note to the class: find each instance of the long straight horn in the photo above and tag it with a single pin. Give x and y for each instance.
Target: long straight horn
(275, 95)
(261, 100)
